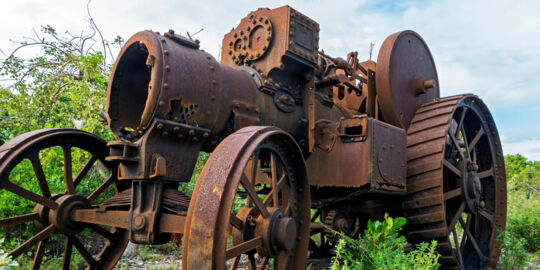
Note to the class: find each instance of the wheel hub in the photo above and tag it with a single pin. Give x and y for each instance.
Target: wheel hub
(60, 216)
(278, 232)
(471, 184)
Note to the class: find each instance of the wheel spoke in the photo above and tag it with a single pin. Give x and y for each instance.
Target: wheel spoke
(32, 241)
(476, 138)
(452, 194)
(40, 175)
(270, 197)
(252, 261)
(263, 263)
(475, 245)
(452, 167)
(287, 210)
(68, 170)
(456, 144)
(254, 197)
(82, 250)
(486, 173)
(465, 226)
(462, 117)
(486, 215)
(30, 195)
(457, 216)
(456, 243)
(68, 249)
(82, 173)
(235, 263)
(236, 222)
(100, 189)
(254, 169)
(102, 231)
(18, 219)
(281, 261)
(38, 257)
(242, 248)
(273, 166)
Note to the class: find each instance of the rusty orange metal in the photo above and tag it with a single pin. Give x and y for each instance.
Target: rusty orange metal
(302, 144)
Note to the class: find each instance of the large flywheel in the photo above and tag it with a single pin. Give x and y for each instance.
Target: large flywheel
(456, 183)
(49, 189)
(251, 205)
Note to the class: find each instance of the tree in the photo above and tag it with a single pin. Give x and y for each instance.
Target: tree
(63, 86)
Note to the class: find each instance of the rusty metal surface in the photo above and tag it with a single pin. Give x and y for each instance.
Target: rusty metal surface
(404, 59)
(449, 187)
(372, 157)
(210, 216)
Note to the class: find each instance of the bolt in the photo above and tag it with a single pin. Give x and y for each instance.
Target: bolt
(159, 126)
(482, 204)
(429, 84)
(165, 133)
(191, 132)
(180, 136)
(165, 85)
(205, 135)
(176, 129)
(139, 221)
(477, 185)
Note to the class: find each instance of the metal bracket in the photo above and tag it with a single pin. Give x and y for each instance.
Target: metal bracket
(245, 115)
(143, 215)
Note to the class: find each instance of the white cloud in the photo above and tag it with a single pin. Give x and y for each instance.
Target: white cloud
(486, 47)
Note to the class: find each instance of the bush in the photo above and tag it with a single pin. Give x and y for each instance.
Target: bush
(5, 260)
(381, 247)
(514, 255)
(523, 220)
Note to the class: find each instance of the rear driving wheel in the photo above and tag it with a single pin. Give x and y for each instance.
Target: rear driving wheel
(456, 181)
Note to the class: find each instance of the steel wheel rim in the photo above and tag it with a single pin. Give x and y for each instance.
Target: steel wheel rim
(482, 189)
(28, 146)
(227, 243)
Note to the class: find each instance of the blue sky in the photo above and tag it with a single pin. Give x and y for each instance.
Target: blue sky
(490, 48)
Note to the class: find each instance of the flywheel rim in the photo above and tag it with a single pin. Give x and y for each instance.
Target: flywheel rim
(440, 181)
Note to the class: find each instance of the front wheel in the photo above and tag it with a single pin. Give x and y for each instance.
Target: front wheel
(251, 205)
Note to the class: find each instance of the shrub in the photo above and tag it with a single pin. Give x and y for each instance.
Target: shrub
(381, 247)
(514, 255)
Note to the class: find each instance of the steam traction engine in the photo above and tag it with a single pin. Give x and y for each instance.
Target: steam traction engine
(298, 138)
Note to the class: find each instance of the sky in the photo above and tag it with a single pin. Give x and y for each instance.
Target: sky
(490, 48)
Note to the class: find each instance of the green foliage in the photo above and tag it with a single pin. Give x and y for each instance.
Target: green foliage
(381, 247)
(523, 220)
(63, 86)
(6, 262)
(514, 255)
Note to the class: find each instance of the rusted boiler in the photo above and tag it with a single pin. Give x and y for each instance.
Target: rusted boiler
(298, 139)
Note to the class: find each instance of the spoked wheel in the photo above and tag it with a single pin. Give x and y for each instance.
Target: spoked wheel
(36, 175)
(456, 182)
(251, 205)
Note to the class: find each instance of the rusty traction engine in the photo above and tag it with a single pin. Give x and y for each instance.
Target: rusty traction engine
(302, 144)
